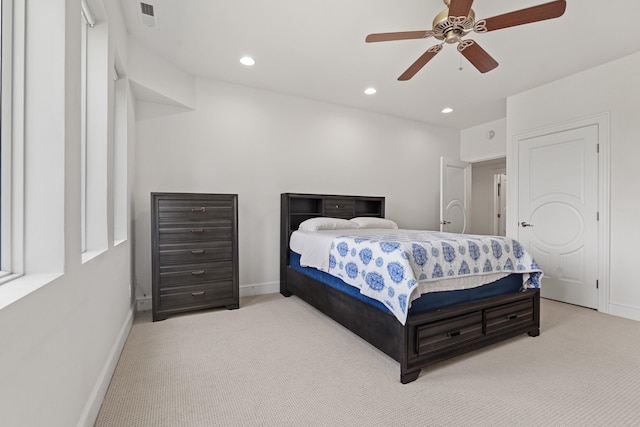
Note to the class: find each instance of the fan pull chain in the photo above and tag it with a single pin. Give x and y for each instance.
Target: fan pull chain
(460, 67)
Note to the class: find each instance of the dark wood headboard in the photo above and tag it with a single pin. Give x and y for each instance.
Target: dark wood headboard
(295, 208)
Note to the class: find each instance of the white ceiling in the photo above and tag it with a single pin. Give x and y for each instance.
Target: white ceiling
(316, 49)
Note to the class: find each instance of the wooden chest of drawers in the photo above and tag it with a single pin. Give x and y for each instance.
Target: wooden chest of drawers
(194, 243)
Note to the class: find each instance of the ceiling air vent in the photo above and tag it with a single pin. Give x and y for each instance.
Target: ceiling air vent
(148, 15)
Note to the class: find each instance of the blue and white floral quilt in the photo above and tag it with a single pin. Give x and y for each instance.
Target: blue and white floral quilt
(396, 266)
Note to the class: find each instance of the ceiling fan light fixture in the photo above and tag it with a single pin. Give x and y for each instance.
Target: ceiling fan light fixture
(447, 110)
(370, 91)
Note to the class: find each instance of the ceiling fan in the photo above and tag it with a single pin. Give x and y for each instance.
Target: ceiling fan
(452, 24)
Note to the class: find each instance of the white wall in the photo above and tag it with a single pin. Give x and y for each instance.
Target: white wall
(484, 142)
(156, 79)
(59, 344)
(612, 88)
(259, 144)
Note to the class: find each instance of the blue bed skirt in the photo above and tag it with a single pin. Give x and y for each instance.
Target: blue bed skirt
(427, 302)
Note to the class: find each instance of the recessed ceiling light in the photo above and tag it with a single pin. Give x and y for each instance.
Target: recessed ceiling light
(447, 110)
(247, 60)
(370, 91)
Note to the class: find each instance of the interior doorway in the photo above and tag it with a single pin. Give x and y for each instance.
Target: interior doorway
(500, 204)
(489, 197)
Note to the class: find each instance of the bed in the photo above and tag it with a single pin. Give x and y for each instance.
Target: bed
(435, 326)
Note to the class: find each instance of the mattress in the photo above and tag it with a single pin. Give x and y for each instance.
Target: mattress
(396, 267)
(426, 302)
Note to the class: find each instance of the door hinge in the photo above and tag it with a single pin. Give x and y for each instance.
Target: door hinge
(597, 216)
(498, 215)
(598, 148)
(597, 284)
(498, 189)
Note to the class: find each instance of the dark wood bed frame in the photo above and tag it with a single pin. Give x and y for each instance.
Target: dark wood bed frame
(426, 338)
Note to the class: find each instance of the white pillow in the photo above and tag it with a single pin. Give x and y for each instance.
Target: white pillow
(327, 223)
(371, 222)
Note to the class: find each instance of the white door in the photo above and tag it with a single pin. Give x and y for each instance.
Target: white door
(455, 195)
(558, 211)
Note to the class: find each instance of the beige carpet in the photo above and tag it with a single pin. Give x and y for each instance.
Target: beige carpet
(278, 362)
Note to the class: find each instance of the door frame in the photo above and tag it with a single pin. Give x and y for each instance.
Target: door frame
(602, 121)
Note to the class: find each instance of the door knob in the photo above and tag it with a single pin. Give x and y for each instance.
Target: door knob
(526, 224)
(445, 222)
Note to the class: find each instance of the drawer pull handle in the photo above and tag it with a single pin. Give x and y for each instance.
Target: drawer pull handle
(197, 294)
(197, 230)
(202, 209)
(512, 316)
(197, 251)
(197, 273)
(453, 334)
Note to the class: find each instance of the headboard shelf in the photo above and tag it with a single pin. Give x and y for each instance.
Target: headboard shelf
(296, 208)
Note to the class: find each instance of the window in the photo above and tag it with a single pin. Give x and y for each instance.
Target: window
(11, 264)
(4, 201)
(120, 168)
(84, 28)
(94, 133)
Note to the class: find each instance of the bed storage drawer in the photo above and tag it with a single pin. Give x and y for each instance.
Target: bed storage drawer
(508, 315)
(440, 335)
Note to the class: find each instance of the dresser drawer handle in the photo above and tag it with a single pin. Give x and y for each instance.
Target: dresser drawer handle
(202, 209)
(453, 334)
(197, 230)
(197, 273)
(197, 251)
(512, 316)
(197, 294)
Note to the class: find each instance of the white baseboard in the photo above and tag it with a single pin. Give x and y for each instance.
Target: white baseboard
(627, 312)
(92, 407)
(145, 303)
(259, 289)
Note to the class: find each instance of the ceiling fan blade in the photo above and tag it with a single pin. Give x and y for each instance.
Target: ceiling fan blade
(477, 55)
(541, 12)
(460, 7)
(420, 62)
(404, 35)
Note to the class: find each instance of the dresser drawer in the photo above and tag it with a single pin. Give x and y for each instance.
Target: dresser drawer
(202, 294)
(192, 253)
(508, 315)
(170, 211)
(196, 233)
(437, 336)
(191, 274)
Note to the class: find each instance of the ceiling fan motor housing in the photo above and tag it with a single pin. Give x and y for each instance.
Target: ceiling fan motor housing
(452, 28)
